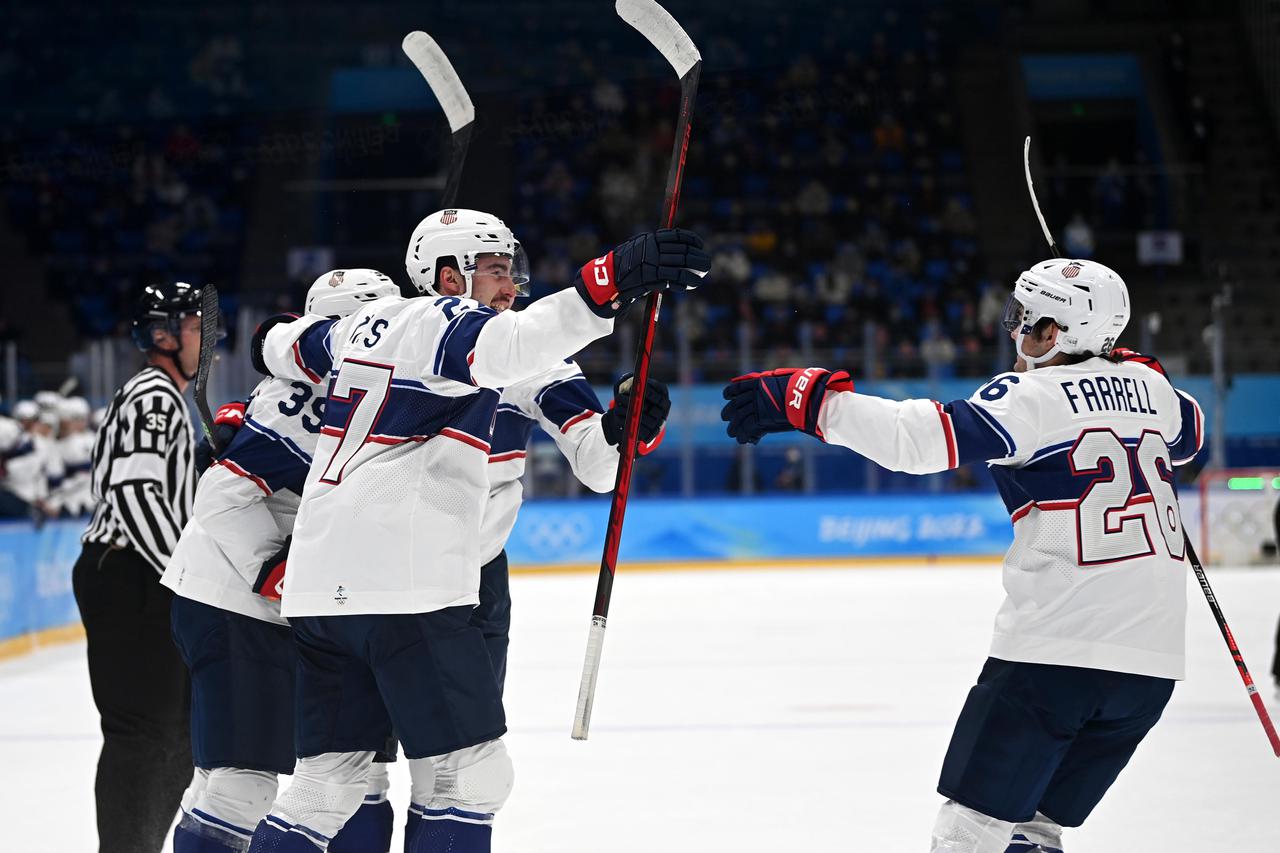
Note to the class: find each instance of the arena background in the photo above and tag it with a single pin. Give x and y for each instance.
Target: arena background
(856, 166)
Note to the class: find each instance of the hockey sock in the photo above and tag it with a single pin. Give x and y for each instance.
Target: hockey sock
(366, 831)
(412, 825)
(451, 831)
(274, 835)
(1018, 844)
(200, 833)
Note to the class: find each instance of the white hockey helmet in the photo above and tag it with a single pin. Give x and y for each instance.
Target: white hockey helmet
(1088, 302)
(74, 409)
(458, 238)
(338, 293)
(48, 400)
(26, 410)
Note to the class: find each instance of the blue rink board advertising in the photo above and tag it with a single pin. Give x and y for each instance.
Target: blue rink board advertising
(764, 528)
(35, 576)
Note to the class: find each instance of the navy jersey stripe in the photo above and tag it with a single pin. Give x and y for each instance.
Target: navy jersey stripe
(312, 349)
(511, 431)
(562, 401)
(453, 356)
(977, 438)
(265, 455)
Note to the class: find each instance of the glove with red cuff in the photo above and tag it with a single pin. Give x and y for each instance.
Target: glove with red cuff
(653, 414)
(270, 582)
(666, 259)
(226, 423)
(1119, 354)
(779, 401)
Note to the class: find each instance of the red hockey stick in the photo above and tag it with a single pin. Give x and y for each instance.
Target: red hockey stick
(655, 24)
(1267, 725)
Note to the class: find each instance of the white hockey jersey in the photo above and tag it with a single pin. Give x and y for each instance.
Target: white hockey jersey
(390, 516)
(74, 494)
(563, 403)
(246, 502)
(1083, 458)
(34, 468)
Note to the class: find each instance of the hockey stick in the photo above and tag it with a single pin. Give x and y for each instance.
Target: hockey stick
(663, 32)
(208, 340)
(445, 84)
(1026, 167)
(1258, 706)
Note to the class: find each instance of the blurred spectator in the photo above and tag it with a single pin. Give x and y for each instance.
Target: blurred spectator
(1077, 237)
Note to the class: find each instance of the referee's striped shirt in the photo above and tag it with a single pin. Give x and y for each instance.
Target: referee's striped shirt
(144, 478)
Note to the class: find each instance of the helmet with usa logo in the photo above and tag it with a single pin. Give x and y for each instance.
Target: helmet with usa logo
(459, 238)
(338, 293)
(1088, 302)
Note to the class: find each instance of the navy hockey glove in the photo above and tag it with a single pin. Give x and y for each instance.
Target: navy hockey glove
(779, 401)
(226, 423)
(653, 416)
(260, 337)
(1120, 354)
(666, 259)
(270, 582)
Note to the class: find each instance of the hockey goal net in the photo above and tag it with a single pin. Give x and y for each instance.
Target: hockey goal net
(1238, 515)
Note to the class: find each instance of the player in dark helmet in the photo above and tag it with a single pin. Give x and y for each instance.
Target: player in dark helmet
(166, 323)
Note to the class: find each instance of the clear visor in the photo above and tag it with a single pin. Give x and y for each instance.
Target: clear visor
(1013, 314)
(503, 265)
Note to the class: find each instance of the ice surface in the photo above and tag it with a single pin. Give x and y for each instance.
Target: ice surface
(756, 710)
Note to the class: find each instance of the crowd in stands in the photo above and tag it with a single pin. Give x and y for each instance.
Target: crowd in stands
(46, 448)
(835, 187)
(826, 162)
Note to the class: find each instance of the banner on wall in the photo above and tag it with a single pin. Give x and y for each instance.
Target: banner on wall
(572, 531)
(35, 576)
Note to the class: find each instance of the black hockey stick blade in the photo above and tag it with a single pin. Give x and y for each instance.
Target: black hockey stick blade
(446, 85)
(664, 33)
(209, 318)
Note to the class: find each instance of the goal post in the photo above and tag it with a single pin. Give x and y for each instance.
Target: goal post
(1238, 516)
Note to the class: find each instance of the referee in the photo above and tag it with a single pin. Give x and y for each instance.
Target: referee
(143, 485)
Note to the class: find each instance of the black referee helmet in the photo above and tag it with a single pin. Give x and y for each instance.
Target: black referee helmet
(163, 303)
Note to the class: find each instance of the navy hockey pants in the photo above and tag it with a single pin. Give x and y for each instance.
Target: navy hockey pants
(493, 615)
(1036, 737)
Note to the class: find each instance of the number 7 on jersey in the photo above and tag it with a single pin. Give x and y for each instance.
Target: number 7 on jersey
(361, 387)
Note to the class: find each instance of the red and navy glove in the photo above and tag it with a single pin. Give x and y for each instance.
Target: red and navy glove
(666, 259)
(779, 401)
(226, 423)
(270, 582)
(653, 414)
(1119, 354)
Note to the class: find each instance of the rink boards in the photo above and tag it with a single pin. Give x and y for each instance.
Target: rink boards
(37, 604)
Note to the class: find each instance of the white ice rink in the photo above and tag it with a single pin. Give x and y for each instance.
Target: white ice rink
(761, 710)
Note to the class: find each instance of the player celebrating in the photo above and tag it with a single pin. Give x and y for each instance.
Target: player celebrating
(564, 405)
(238, 648)
(384, 567)
(1090, 638)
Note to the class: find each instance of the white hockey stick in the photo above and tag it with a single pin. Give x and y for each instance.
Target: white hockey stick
(445, 83)
(662, 31)
(1044, 226)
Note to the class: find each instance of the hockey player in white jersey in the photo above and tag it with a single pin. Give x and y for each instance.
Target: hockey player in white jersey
(1082, 444)
(384, 567)
(239, 649)
(73, 496)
